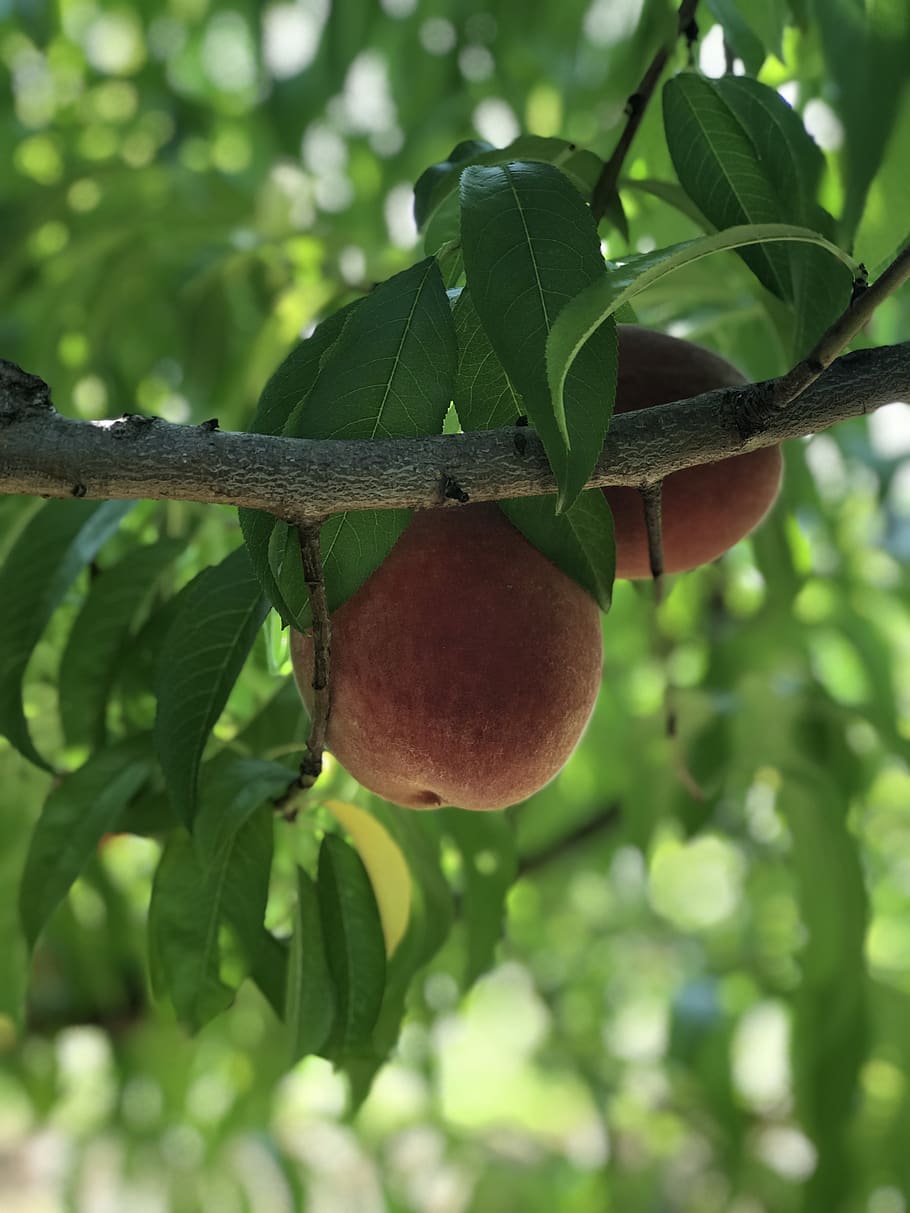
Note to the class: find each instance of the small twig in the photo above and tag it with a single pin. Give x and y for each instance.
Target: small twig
(637, 105)
(652, 500)
(863, 302)
(311, 762)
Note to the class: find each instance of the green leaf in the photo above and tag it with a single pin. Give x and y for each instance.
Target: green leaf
(389, 375)
(766, 20)
(580, 318)
(53, 548)
(579, 541)
(192, 900)
(437, 184)
(354, 941)
(296, 377)
(310, 1005)
(743, 156)
(530, 245)
(231, 789)
(740, 34)
(78, 813)
(268, 965)
(486, 842)
(281, 397)
(485, 398)
(96, 641)
(183, 925)
(202, 655)
(866, 44)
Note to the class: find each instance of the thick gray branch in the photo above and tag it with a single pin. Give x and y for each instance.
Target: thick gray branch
(44, 453)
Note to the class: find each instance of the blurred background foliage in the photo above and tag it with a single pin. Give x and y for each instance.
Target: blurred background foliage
(698, 1004)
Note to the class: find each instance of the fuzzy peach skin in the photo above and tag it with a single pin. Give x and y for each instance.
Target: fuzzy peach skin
(706, 509)
(464, 670)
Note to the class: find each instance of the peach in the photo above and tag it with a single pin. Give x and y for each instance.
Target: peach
(464, 670)
(708, 508)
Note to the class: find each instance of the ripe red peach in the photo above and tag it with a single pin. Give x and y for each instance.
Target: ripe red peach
(464, 670)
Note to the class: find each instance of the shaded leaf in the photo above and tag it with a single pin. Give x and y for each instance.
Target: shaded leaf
(191, 900)
(354, 942)
(203, 652)
(78, 813)
(90, 660)
(744, 156)
(281, 397)
(310, 1005)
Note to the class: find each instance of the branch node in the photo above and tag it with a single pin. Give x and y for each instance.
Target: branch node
(453, 491)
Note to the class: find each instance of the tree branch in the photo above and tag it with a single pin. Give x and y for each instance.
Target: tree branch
(43, 453)
(637, 104)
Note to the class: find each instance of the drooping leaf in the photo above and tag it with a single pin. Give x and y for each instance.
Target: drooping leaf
(580, 540)
(53, 548)
(191, 900)
(84, 807)
(743, 156)
(310, 1004)
(580, 318)
(89, 663)
(354, 941)
(202, 655)
(530, 245)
